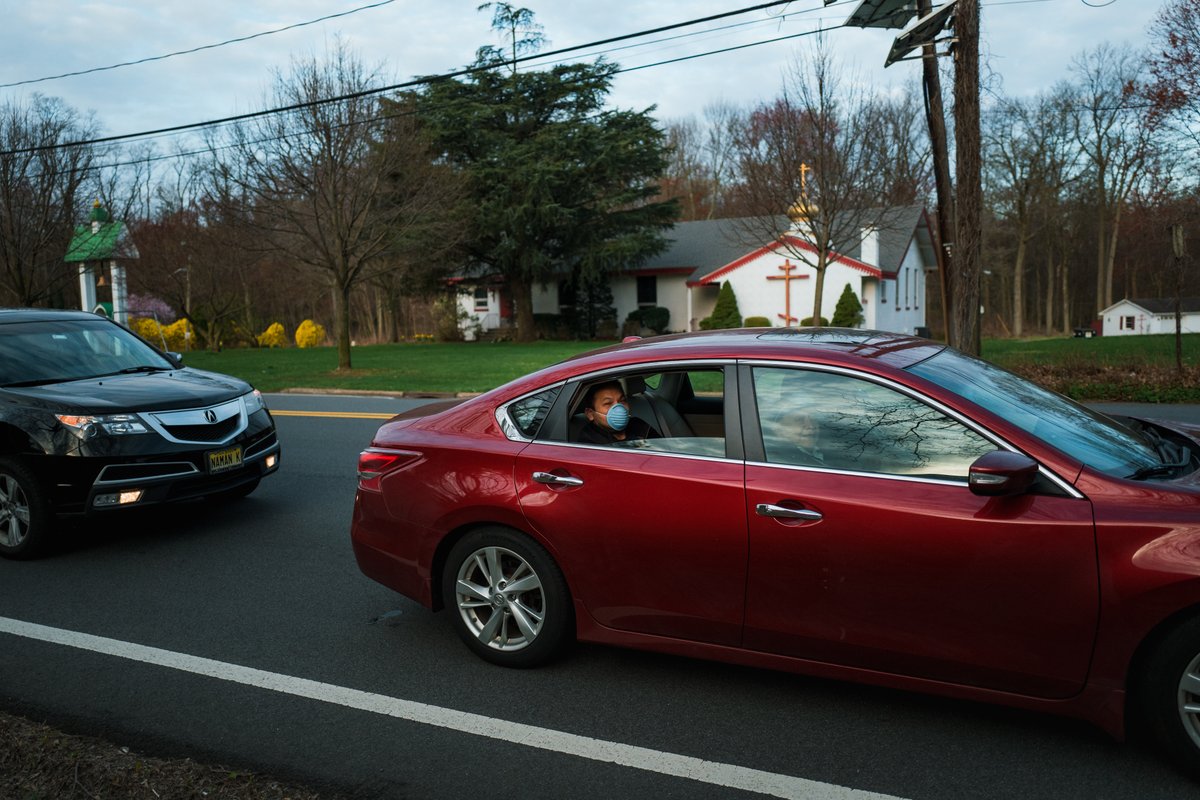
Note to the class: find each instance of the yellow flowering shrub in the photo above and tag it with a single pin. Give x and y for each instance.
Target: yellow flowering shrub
(310, 334)
(175, 335)
(273, 336)
(169, 336)
(146, 328)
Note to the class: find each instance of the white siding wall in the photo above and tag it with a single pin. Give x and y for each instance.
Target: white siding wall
(1127, 319)
(760, 297)
(904, 309)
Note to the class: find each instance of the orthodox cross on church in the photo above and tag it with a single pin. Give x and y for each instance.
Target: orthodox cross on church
(804, 170)
(787, 267)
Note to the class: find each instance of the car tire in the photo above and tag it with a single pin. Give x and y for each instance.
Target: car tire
(507, 598)
(25, 516)
(1170, 694)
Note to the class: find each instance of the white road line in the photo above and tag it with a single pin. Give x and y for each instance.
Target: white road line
(696, 769)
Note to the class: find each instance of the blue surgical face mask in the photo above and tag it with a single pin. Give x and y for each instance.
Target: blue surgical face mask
(618, 417)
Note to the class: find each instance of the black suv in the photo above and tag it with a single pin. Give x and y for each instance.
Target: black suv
(93, 420)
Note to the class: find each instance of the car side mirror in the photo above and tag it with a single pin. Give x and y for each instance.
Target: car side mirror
(175, 357)
(1002, 473)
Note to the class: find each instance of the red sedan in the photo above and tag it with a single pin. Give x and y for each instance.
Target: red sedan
(849, 504)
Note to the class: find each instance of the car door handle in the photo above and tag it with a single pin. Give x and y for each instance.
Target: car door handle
(780, 512)
(556, 480)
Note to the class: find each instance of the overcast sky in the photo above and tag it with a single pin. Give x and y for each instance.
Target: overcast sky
(1028, 46)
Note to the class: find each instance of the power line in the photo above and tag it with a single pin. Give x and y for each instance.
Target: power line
(196, 49)
(397, 115)
(421, 81)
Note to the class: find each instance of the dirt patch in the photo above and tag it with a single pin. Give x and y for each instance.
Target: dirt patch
(38, 762)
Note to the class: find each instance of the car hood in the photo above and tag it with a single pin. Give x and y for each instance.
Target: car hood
(149, 391)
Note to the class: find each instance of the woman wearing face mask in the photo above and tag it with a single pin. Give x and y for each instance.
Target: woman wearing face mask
(608, 417)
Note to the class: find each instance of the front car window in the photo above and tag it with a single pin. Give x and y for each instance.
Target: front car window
(676, 411)
(827, 420)
(1081, 433)
(54, 351)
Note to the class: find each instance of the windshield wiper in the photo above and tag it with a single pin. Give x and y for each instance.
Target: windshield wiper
(1159, 470)
(142, 368)
(38, 382)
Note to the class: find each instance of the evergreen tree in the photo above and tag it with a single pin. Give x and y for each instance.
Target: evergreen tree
(556, 179)
(848, 312)
(593, 305)
(725, 313)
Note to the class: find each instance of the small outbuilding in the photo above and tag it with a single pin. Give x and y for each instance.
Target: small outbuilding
(102, 243)
(1150, 315)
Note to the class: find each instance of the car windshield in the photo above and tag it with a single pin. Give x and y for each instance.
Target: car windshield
(1094, 439)
(53, 351)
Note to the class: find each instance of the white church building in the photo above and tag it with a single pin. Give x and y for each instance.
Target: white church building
(887, 266)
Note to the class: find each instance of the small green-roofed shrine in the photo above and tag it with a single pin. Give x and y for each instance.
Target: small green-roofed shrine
(100, 242)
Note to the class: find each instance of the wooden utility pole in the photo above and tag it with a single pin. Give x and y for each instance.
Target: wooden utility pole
(968, 245)
(935, 118)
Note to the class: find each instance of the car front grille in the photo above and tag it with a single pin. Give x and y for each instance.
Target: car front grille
(213, 425)
(216, 432)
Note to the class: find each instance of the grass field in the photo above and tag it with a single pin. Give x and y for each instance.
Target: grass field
(423, 367)
(1133, 368)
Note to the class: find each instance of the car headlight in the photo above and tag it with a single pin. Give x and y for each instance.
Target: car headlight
(253, 402)
(112, 424)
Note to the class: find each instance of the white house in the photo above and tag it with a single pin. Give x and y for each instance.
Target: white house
(1150, 315)
(887, 268)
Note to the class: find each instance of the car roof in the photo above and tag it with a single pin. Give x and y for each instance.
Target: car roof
(872, 351)
(834, 345)
(11, 315)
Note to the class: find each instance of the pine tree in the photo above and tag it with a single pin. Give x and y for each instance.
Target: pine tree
(725, 313)
(848, 313)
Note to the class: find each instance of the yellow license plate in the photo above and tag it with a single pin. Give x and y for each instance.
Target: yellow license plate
(221, 460)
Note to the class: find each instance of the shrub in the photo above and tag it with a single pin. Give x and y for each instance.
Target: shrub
(273, 336)
(807, 321)
(725, 313)
(148, 329)
(310, 334)
(757, 322)
(176, 334)
(149, 307)
(169, 337)
(848, 313)
(550, 326)
(656, 318)
(449, 318)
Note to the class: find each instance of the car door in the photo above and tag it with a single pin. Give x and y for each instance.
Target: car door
(652, 539)
(868, 549)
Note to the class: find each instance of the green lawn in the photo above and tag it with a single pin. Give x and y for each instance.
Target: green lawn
(424, 367)
(1159, 349)
(1135, 368)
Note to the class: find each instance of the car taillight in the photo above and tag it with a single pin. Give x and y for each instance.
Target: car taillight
(374, 464)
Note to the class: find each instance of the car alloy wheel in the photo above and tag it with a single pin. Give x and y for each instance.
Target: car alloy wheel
(14, 512)
(500, 598)
(24, 513)
(1188, 700)
(512, 603)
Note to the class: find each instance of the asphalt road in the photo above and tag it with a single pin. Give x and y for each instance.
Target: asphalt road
(245, 635)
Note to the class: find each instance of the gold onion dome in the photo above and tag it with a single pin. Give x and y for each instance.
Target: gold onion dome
(801, 210)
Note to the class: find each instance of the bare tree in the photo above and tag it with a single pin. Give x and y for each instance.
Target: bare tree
(814, 149)
(41, 187)
(1174, 90)
(332, 185)
(1116, 142)
(1029, 157)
